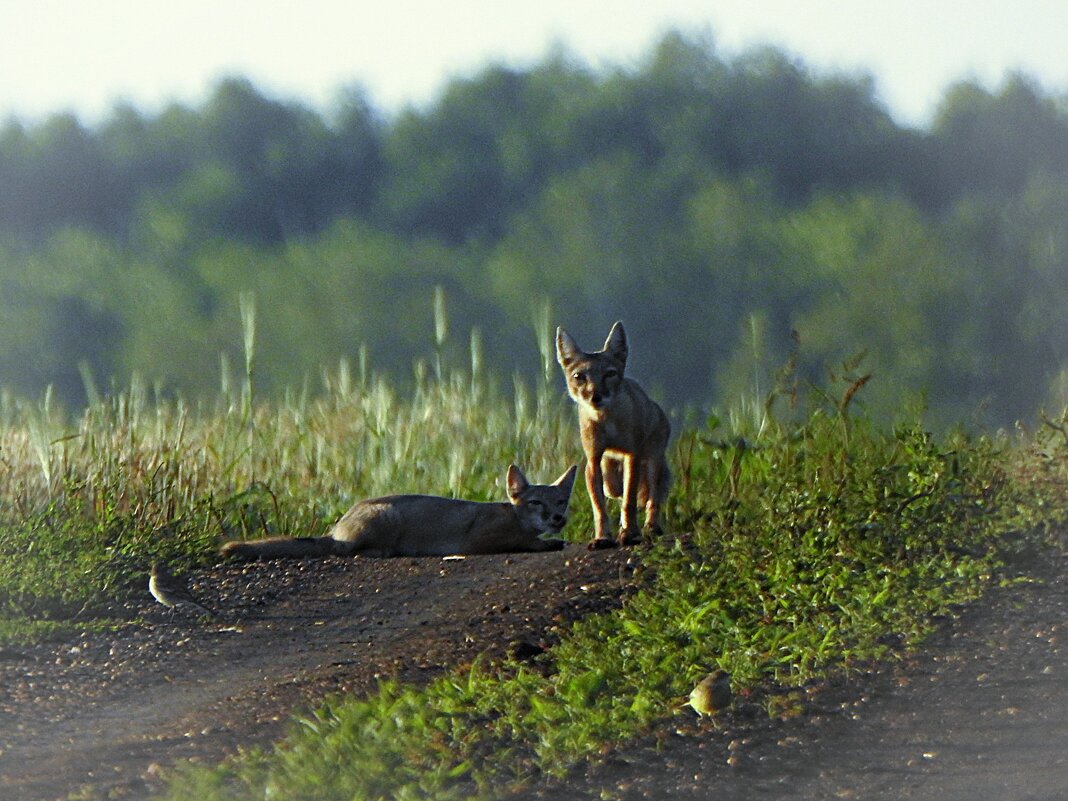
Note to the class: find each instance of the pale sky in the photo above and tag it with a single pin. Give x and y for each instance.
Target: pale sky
(86, 55)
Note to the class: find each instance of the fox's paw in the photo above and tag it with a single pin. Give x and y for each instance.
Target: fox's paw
(601, 543)
(630, 536)
(653, 532)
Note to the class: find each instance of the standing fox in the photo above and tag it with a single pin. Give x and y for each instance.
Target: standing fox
(427, 525)
(624, 435)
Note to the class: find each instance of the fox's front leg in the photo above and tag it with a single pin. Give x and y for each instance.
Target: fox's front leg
(629, 533)
(595, 486)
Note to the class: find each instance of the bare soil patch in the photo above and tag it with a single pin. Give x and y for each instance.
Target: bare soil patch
(105, 715)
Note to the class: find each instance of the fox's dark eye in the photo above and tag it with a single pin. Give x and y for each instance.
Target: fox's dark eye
(611, 373)
(578, 376)
(535, 503)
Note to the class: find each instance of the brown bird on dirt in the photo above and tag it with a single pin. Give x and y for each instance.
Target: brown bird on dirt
(172, 591)
(712, 694)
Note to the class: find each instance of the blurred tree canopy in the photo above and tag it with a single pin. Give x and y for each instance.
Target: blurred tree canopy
(726, 209)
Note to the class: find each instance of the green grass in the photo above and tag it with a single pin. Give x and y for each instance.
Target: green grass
(86, 504)
(807, 547)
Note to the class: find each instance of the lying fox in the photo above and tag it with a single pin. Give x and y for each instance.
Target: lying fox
(427, 525)
(624, 434)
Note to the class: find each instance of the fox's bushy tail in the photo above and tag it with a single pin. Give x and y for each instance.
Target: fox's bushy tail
(283, 548)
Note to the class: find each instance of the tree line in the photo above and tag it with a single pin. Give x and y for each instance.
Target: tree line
(735, 212)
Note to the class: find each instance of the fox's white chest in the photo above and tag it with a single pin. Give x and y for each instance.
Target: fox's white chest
(613, 438)
(610, 432)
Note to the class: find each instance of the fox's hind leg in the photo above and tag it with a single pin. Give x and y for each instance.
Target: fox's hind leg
(612, 471)
(652, 493)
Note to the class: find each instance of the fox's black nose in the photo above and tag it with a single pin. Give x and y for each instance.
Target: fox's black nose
(596, 399)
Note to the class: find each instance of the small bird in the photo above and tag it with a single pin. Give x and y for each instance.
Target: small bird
(712, 693)
(172, 591)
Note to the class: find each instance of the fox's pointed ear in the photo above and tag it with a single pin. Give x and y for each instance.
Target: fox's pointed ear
(567, 480)
(567, 350)
(517, 482)
(616, 344)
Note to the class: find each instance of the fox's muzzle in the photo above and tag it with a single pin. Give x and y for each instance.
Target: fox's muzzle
(598, 400)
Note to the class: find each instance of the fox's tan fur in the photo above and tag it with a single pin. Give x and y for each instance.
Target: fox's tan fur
(428, 525)
(624, 434)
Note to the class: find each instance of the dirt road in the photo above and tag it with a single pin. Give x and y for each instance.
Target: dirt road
(982, 712)
(103, 714)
